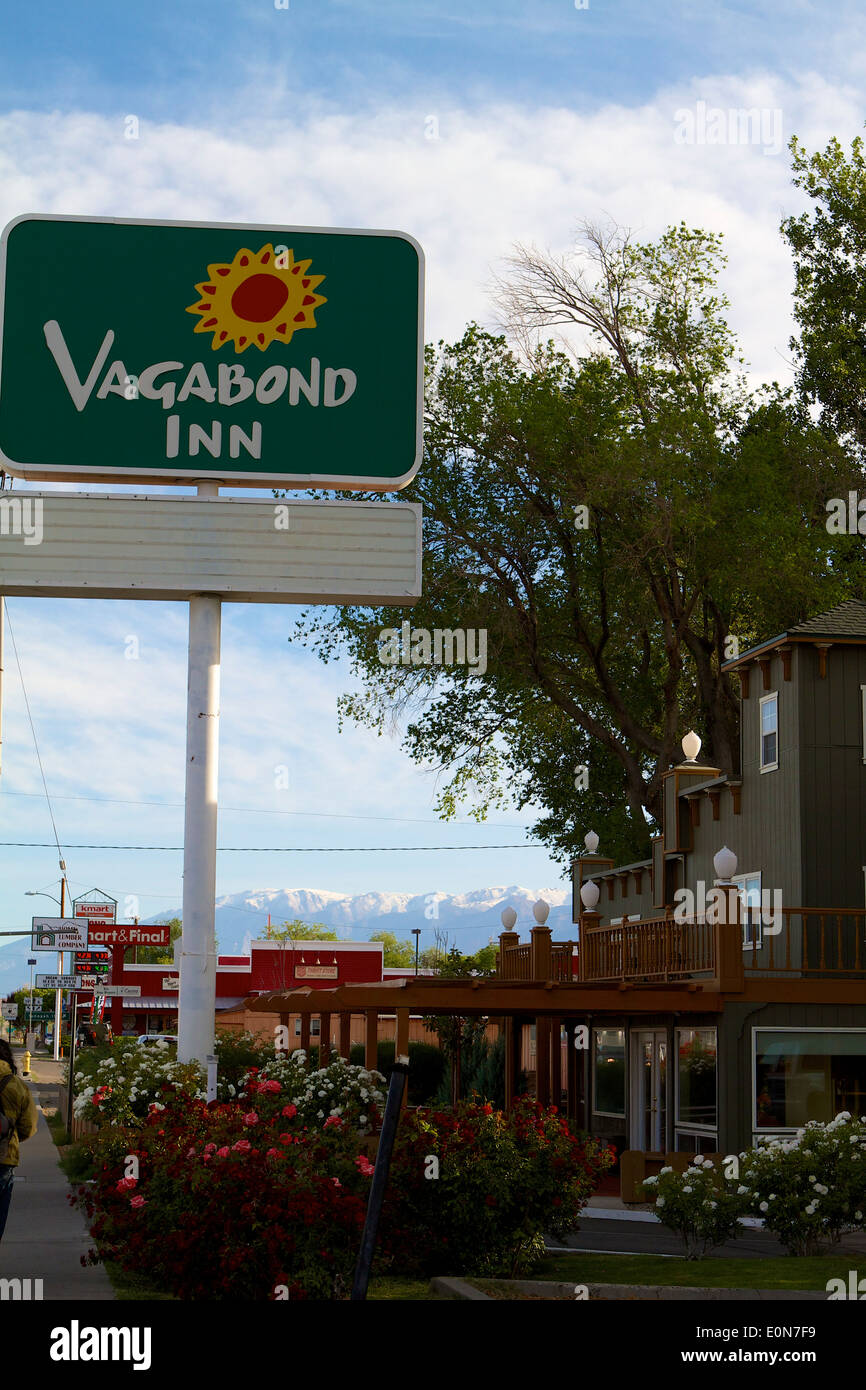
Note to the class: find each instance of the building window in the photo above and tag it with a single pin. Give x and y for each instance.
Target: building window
(803, 1074)
(315, 1026)
(750, 900)
(608, 1093)
(697, 1105)
(769, 707)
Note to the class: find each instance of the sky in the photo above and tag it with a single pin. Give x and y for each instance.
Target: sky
(473, 128)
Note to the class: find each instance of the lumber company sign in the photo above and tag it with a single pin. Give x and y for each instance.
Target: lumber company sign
(253, 355)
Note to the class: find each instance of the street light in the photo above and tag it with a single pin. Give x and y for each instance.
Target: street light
(416, 932)
(58, 998)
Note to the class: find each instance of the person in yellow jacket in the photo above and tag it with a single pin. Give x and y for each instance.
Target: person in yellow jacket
(18, 1121)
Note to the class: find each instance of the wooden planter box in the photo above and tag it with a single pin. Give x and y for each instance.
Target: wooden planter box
(635, 1165)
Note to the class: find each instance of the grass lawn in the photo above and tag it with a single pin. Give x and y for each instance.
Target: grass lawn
(416, 1290)
(776, 1272)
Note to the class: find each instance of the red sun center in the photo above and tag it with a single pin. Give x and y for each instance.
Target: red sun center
(259, 298)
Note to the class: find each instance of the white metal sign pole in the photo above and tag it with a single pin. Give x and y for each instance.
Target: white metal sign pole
(197, 994)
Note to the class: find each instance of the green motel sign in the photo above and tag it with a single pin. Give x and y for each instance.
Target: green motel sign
(167, 351)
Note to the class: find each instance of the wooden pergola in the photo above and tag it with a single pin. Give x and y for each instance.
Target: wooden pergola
(549, 1004)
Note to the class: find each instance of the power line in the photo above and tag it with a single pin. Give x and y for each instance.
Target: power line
(35, 740)
(267, 849)
(268, 811)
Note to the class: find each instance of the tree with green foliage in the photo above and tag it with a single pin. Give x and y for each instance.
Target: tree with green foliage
(156, 955)
(618, 521)
(397, 954)
(829, 246)
(296, 930)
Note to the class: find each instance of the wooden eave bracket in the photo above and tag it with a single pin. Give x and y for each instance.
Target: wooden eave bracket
(823, 648)
(785, 654)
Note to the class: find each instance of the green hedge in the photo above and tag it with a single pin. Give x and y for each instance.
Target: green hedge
(427, 1065)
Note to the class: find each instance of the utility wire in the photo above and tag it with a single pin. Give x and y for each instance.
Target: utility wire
(269, 811)
(278, 849)
(35, 740)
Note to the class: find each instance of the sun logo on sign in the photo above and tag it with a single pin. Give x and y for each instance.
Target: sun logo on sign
(257, 299)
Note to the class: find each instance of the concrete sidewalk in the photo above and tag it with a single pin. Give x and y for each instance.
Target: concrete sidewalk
(45, 1237)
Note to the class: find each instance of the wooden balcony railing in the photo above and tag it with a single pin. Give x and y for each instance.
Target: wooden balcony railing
(807, 941)
(797, 941)
(658, 949)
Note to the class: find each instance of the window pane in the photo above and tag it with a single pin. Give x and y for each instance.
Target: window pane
(768, 749)
(696, 1063)
(769, 710)
(609, 1069)
(808, 1076)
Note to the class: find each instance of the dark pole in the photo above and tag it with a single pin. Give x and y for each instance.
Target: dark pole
(71, 1086)
(396, 1086)
(416, 932)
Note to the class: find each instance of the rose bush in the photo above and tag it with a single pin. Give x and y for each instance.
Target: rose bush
(234, 1200)
(221, 1201)
(503, 1181)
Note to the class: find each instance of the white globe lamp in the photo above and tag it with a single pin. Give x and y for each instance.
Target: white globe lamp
(589, 895)
(725, 864)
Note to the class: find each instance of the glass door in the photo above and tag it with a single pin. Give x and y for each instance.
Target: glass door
(649, 1091)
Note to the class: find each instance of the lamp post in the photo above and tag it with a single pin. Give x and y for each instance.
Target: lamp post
(416, 932)
(58, 998)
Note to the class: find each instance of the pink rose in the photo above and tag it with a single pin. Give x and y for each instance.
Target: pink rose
(137, 1202)
(126, 1184)
(289, 1111)
(332, 1120)
(243, 1146)
(210, 1148)
(336, 1182)
(273, 1086)
(251, 1118)
(272, 1153)
(364, 1166)
(223, 1152)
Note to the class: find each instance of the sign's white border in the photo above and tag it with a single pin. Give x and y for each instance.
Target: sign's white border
(84, 473)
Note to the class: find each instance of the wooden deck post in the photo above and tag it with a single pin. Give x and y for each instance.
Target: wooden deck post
(345, 1035)
(305, 1033)
(728, 939)
(507, 939)
(556, 1062)
(510, 1062)
(324, 1039)
(542, 1059)
(540, 953)
(371, 1039)
(571, 1060)
(401, 1044)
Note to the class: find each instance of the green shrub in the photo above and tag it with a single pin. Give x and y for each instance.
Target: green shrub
(698, 1205)
(812, 1187)
(427, 1065)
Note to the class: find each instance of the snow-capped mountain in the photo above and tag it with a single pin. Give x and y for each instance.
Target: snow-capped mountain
(468, 919)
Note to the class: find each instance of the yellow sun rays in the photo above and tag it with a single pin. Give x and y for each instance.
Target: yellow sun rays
(257, 299)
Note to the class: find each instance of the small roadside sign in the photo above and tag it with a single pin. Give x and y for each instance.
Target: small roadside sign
(56, 982)
(58, 934)
(10, 1011)
(121, 991)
